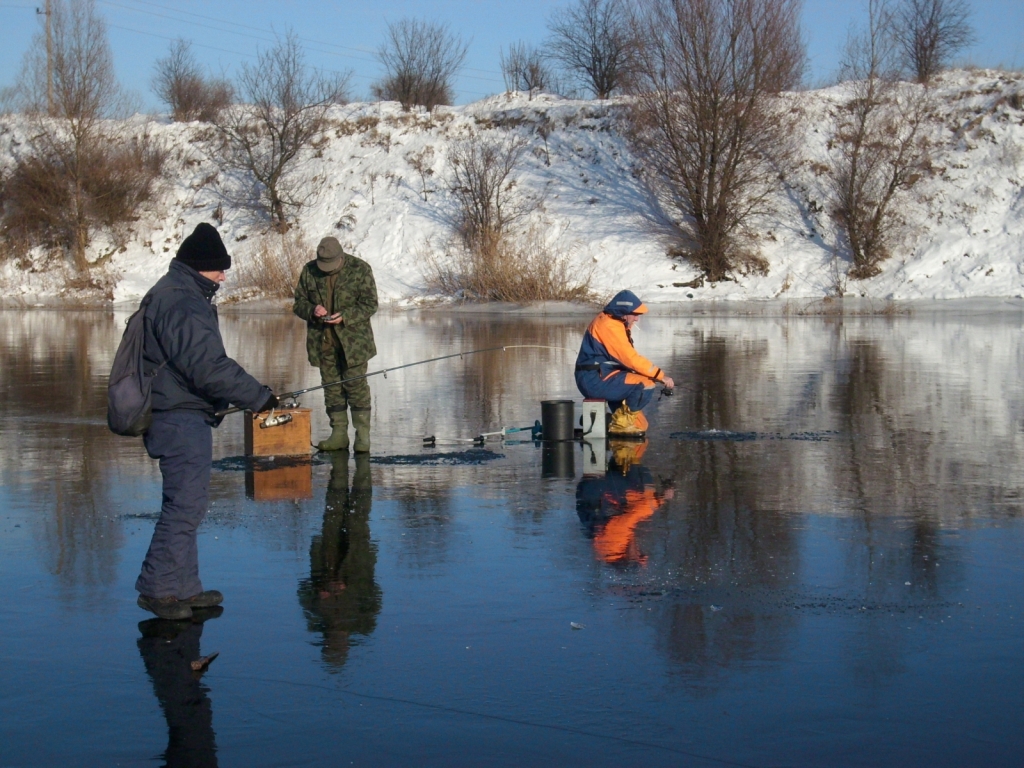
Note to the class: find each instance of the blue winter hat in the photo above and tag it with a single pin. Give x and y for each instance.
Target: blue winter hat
(625, 303)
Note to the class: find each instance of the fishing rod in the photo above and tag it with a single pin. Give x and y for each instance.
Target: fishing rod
(385, 371)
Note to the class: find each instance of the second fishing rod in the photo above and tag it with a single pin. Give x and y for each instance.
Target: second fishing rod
(385, 371)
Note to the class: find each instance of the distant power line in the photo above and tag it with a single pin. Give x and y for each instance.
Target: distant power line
(232, 27)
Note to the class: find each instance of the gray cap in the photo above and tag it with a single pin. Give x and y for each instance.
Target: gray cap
(329, 255)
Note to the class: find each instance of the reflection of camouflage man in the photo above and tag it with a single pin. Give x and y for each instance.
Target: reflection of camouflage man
(341, 597)
(336, 296)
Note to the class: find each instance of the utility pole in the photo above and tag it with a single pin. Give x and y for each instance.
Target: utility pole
(49, 58)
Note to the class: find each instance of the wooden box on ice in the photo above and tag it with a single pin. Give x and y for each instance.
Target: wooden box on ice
(291, 439)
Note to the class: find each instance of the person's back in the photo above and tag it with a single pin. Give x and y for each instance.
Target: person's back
(609, 368)
(196, 378)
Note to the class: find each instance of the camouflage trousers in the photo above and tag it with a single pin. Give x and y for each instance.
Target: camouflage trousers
(354, 394)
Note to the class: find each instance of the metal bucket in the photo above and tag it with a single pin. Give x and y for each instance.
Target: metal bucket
(556, 420)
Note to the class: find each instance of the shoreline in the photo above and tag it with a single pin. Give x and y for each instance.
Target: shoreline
(809, 307)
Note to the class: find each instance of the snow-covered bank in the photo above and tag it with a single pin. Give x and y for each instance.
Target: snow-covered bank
(964, 235)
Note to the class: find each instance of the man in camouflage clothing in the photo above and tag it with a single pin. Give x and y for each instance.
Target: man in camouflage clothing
(336, 296)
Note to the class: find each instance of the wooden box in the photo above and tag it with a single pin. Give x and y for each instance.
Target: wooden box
(280, 483)
(291, 439)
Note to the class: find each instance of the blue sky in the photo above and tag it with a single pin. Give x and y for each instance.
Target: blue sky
(344, 35)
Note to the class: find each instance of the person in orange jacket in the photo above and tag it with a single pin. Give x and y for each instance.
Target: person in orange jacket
(609, 368)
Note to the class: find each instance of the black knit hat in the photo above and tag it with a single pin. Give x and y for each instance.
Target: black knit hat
(204, 251)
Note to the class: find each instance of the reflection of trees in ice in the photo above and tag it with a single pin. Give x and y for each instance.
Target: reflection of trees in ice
(56, 446)
(921, 418)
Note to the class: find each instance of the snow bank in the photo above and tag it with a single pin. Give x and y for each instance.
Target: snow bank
(964, 223)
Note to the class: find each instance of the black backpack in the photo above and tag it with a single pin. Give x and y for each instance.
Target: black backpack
(129, 398)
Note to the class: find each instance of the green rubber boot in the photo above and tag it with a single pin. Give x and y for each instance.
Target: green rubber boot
(338, 441)
(361, 421)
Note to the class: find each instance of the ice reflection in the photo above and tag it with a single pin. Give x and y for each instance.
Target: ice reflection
(341, 598)
(826, 511)
(168, 649)
(612, 505)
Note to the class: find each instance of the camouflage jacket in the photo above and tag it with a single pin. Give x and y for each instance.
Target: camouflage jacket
(355, 297)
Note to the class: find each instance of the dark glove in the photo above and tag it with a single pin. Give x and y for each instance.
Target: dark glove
(272, 402)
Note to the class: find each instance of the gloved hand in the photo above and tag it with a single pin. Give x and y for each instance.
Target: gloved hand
(272, 402)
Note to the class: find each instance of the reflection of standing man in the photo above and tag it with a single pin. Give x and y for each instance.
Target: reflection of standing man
(613, 505)
(341, 597)
(336, 296)
(168, 649)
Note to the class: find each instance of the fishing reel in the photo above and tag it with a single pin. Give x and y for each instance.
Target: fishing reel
(275, 419)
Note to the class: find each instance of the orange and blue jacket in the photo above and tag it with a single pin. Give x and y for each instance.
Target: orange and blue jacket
(608, 348)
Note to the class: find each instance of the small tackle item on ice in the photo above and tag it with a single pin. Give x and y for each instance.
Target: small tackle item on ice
(192, 379)
(336, 296)
(609, 368)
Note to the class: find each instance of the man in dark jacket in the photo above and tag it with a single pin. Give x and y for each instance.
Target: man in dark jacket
(336, 296)
(194, 379)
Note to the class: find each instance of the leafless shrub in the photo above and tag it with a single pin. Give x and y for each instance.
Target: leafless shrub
(284, 118)
(180, 83)
(594, 42)
(524, 69)
(706, 122)
(930, 32)
(483, 188)
(271, 264)
(420, 60)
(519, 268)
(879, 148)
(423, 163)
(80, 172)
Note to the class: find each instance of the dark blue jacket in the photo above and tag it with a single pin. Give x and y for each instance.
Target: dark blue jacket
(182, 332)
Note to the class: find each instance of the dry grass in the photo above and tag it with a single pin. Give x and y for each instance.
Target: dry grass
(271, 265)
(515, 268)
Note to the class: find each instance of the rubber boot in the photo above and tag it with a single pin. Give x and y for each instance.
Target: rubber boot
(361, 421)
(338, 441)
(627, 423)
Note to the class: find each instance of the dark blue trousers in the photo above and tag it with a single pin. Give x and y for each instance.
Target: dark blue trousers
(615, 390)
(183, 442)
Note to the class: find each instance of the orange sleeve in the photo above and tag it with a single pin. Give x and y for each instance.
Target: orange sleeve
(612, 334)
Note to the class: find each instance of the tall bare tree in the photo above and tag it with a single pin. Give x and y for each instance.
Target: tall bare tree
(706, 122)
(180, 83)
(879, 148)
(594, 42)
(420, 61)
(283, 117)
(81, 172)
(930, 33)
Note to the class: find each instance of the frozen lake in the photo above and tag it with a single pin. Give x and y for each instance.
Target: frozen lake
(816, 560)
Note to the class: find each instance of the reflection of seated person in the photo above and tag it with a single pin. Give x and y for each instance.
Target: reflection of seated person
(341, 598)
(613, 505)
(168, 648)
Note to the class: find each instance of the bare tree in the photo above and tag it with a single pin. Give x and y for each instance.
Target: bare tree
(420, 61)
(706, 121)
(280, 123)
(181, 84)
(524, 69)
(593, 41)
(483, 186)
(81, 172)
(930, 32)
(879, 148)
